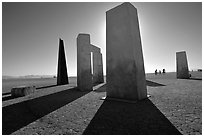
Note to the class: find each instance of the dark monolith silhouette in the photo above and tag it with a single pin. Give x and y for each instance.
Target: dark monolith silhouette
(62, 77)
(182, 71)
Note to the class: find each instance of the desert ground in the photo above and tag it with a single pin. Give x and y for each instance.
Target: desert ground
(174, 107)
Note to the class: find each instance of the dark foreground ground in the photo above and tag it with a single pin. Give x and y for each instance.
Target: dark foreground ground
(175, 107)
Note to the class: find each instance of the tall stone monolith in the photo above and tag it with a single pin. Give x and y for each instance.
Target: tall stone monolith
(100, 67)
(84, 76)
(124, 58)
(97, 65)
(182, 71)
(62, 77)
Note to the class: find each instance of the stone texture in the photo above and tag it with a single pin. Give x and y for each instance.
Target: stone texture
(97, 65)
(84, 76)
(22, 91)
(85, 79)
(100, 69)
(95, 68)
(94, 49)
(182, 65)
(125, 65)
(62, 77)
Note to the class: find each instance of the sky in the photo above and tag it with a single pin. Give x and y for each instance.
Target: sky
(31, 32)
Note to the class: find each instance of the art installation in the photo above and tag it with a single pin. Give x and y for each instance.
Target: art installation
(182, 71)
(62, 77)
(97, 65)
(124, 58)
(85, 80)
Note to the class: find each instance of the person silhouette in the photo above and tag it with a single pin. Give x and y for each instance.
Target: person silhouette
(163, 71)
(159, 71)
(155, 72)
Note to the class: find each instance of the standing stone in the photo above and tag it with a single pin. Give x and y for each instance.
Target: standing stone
(100, 71)
(125, 66)
(97, 64)
(95, 68)
(84, 76)
(182, 65)
(62, 77)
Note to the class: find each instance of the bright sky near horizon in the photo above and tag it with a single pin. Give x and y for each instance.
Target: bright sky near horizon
(31, 32)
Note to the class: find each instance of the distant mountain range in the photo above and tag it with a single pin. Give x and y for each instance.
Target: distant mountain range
(28, 76)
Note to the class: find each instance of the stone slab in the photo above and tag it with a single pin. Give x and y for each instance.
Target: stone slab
(125, 65)
(100, 67)
(94, 49)
(95, 67)
(22, 91)
(62, 76)
(182, 70)
(84, 76)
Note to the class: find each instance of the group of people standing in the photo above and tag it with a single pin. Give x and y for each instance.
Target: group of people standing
(163, 71)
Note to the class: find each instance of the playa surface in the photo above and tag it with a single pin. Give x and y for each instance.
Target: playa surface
(174, 107)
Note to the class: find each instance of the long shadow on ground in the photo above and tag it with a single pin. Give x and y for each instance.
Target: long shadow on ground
(148, 83)
(153, 84)
(195, 79)
(101, 89)
(3, 94)
(21, 114)
(190, 78)
(8, 98)
(120, 118)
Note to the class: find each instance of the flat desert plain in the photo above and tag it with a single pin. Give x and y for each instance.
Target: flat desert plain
(174, 107)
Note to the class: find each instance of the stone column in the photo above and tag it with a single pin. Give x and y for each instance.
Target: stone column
(84, 76)
(182, 65)
(97, 63)
(124, 59)
(95, 67)
(62, 77)
(100, 67)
